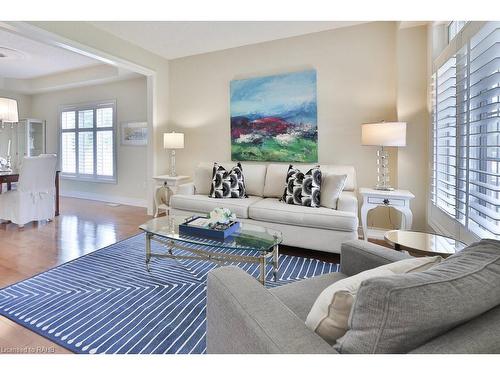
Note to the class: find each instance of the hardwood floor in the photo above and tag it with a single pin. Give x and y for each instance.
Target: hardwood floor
(82, 227)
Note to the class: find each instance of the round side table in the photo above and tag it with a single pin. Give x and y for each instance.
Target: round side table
(423, 244)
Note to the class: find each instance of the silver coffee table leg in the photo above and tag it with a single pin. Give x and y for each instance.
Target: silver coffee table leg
(148, 250)
(262, 276)
(276, 255)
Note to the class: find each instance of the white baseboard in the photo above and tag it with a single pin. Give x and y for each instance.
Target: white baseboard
(105, 198)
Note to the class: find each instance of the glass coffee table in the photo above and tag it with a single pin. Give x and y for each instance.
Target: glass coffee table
(421, 243)
(250, 244)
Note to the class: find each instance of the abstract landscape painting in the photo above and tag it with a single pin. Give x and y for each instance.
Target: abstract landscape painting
(274, 118)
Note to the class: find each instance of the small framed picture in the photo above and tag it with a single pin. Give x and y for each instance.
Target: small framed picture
(134, 133)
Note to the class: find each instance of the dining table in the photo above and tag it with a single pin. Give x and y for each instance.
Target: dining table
(11, 177)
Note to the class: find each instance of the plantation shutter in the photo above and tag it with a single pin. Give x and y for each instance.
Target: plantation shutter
(88, 142)
(484, 158)
(465, 182)
(462, 130)
(445, 160)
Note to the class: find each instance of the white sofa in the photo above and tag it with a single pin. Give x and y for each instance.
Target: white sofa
(320, 228)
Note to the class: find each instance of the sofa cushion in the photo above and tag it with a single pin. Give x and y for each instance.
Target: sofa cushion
(332, 186)
(300, 296)
(275, 182)
(397, 314)
(329, 314)
(228, 183)
(302, 188)
(255, 175)
(276, 176)
(204, 204)
(480, 335)
(272, 210)
(349, 171)
(202, 178)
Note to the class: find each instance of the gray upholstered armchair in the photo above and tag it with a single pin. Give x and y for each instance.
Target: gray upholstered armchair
(244, 317)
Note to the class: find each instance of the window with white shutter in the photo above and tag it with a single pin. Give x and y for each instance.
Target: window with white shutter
(88, 150)
(484, 126)
(466, 134)
(445, 130)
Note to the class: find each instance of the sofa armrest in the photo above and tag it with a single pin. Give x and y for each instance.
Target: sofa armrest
(186, 189)
(244, 317)
(348, 201)
(357, 256)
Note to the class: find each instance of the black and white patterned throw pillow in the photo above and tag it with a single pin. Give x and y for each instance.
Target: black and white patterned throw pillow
(228, 184)
(303, 188)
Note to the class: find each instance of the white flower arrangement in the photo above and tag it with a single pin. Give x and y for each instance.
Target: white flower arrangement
(221, 216)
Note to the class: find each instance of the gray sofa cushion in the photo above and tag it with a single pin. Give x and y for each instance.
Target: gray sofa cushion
(396, 314)
(301, 295)
(358, 256)
(480, 335)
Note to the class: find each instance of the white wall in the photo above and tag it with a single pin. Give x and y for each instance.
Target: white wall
(83, 36)
(412, 108)
(131, 105)
(356, 83)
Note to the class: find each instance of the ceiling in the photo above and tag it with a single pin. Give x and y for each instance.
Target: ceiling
(22, 58)
(26, 59)
(175, 39)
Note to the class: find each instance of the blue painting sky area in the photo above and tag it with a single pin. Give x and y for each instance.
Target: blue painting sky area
(289, 96)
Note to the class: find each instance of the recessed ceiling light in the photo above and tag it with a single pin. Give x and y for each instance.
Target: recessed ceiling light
(7, 53)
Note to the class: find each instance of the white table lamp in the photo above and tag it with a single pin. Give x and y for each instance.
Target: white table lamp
(173, 141)
(383, 134)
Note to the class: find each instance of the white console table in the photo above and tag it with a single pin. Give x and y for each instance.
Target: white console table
(167, 187)
(398, 199)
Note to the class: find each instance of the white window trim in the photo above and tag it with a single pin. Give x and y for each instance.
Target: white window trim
(82, 107)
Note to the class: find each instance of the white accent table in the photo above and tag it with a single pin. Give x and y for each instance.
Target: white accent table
(398, 199)
(168, 187)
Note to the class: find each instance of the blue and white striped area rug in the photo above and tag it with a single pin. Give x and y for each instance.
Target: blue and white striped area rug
(106, 301)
